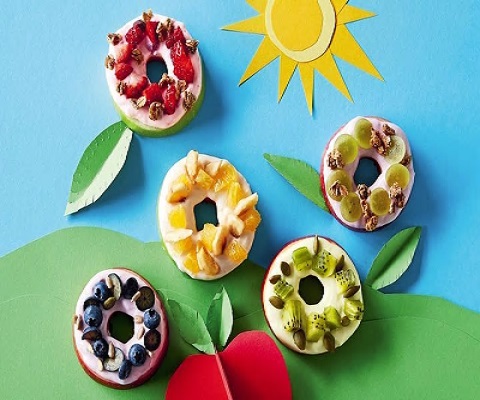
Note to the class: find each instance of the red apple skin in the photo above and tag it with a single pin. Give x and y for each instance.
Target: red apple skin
(153, 368)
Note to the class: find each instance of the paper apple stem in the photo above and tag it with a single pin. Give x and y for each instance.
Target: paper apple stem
(228, 392)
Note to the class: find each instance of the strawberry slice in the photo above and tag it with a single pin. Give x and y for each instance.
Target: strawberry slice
(124, 53)
(174, 36)
(170, 100)
(182, 65)
(136, 33)
(153, 93)
(134, 91)
(151, 30)
(122, 70)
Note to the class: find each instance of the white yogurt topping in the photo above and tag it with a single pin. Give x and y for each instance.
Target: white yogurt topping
(351, 168)
(331, 296)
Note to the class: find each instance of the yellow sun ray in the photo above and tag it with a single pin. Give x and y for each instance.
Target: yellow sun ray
(338, 5)
(347, 48)
(287, 69)
(265, 54)
(306, 75)
(257, 5)
(352, 14)
(252, 25)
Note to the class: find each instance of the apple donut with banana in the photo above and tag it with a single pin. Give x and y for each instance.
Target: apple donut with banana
(358, 206)
(108, 360)
(213, 251)
(312, 298)
(154, 108)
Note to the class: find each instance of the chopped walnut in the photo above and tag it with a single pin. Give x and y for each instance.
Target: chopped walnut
(371, 223)
(139, 103)
(188, 100)
(380, 141)
(388, 130)
(338, 189)
(406, 160)
(363, 191)
(192, 45)
(181, 85)
(147, 15)
(155, 111)
(109, 62)
(165, 80)
(335, 159)
(365, 209)
(137, 55)
(397, 197)
(114, 38)
(166, 26)
(121, 87)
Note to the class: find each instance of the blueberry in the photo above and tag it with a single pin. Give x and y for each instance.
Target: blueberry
(100, 348)
(137, 354)
(125, 369)
(101, 291)
(152, 340)
(93, 316)
(130, 288)
(151, 319)
(146, 299)
(91, 333)
(91, 301)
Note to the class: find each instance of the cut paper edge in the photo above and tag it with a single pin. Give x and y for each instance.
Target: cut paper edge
(353, 14)
(219, 320)
(264, 55)
(252, 25)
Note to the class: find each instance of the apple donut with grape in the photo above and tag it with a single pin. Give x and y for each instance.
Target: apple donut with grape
(358, 206)
(154, 108)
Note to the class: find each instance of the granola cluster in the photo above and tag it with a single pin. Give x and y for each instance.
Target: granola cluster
(335, 160)
(397, 197)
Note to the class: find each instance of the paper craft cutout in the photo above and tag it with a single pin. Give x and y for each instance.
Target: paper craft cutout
(306, 34)
(301, 176)
(220, 318)
(99, 166)
(406, 345)
(394, 258)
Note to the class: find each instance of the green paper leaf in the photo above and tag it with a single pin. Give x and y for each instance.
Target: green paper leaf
(191, 326)
(301, 176)
(99, 166)
(220, 318)
(394, 258)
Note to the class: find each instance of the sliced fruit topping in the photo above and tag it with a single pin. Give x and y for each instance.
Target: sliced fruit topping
(151, 31)
(170, 99)
(93, 316)
(207, 235)
(332, 318)
(204, 180)
(379, 201)
(299, 339)
(398, 173)
(136, 33)
(206, 263)
(152, 340)
(100, 348)
(153, 93)
(112, 364)
(315, 327)
(130, 288)
(235, 194)
(277, 302)
(124, 53)
(219, 240)
(191, 262)
(292, 315)
(283, 289)
(363, 132)
(191, 164)
(115, 285)
(324, 263)
(91, 301)
(91, 333)
(235, 252)
(246, 204)
(182, 64)
(137, 355)
(345, 280)
(397, 150)
(302, 259)
(339, 184)
(225, 176)
(101, 291)
(180, 189)
(151, 319)
(353, 309)
(124, 369)
(183, 245)
(348, 148)
(146, 298)
(134, 91)
(178, 217)
(252, 219)
(173, 36)
(122, 70)
(350, 207)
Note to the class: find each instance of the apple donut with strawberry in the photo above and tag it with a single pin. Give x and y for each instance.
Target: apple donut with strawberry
(154, 108)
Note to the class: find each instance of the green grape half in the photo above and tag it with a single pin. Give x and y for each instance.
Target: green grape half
(348, 148)
(343, 177)
(397, 150)
(350, 207)
(363, 132)
(398, 173)
(379, 201)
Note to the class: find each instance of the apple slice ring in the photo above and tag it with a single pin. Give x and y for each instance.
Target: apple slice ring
(120, 362)
(359, 206)
(215, 250)
(312, 298)
(154, 108)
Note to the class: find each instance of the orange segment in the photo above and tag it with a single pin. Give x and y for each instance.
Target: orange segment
(235, 194)
(236, 252)
(204, 180)
(181, 189)
(225, 176)
(191, 262)
(184, 245)
(178, 217)
(207, 235)
(252, 219)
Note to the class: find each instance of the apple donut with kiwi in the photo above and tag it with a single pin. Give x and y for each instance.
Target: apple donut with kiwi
(108, 360)
(356, 205)
(215, 250)
(312, 298)
(154, 108)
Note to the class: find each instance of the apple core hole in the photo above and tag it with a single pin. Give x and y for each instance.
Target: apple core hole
(367, 171)
(155, 69)
(120, 326)
(205, 213)
(311, 290)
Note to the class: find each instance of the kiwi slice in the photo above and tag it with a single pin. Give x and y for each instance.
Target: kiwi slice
(315, 327)
(350, 208)
(332, 318)
(345, 280)
(283, 289)
(353, 309)
(397, 150)
(324, 263)
(363, 132)
(302, 259)
(379, 202)
(348, 148)
(398, 173)
(344, 179)
(292, 315)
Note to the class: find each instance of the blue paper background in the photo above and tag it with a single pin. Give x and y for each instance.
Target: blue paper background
(55, 101)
